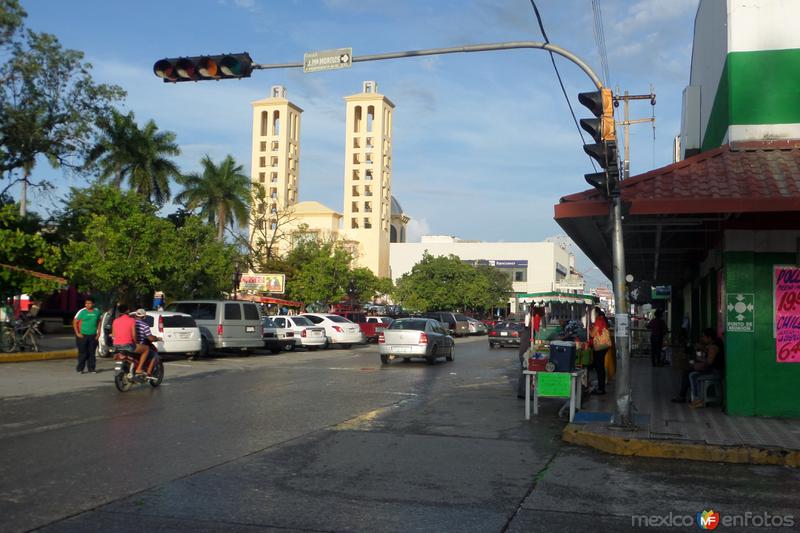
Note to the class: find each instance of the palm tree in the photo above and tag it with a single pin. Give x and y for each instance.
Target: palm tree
(151, 168)
(114, 152)
(221, 193)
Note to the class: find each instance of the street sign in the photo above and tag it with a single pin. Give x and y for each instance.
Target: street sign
(740, 312)
(328, 60)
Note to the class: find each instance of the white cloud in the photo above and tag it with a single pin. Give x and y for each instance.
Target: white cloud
(653, 12)
(416, 228)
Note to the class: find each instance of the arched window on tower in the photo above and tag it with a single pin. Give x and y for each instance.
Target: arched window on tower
(370, 118)
(357, 119)
(276, 122)
(264, 123)
(392, 233)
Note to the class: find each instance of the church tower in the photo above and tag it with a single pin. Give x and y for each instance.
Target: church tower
(368, 176)
(276, 148)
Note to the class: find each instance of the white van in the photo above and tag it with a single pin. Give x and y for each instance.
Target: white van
(224, 324)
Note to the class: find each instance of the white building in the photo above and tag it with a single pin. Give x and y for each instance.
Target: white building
(534, 267)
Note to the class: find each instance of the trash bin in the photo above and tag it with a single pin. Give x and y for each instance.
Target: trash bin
(562, 354)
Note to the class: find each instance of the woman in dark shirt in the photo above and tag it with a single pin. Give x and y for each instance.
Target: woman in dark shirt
(713, 364)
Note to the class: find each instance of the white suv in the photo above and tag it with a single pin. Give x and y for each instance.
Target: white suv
(179, 332)
(306, 334)
(338, 329)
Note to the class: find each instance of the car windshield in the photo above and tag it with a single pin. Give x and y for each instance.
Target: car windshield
(302, 321)
(417, 325)
(337, 318)
(461, 318)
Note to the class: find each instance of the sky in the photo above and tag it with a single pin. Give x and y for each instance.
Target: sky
(483, 144)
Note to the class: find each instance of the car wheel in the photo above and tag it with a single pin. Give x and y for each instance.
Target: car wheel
(327, 344)
(451, 354)
(204, 348)
(289, 347)
(384, 359)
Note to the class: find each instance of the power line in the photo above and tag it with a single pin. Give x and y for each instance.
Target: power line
(600, 40)
(560, 82)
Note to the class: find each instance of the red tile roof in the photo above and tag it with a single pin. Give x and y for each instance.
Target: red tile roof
(739, 177)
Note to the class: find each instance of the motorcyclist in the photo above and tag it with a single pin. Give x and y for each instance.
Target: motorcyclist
(145, 337)
(123, 331)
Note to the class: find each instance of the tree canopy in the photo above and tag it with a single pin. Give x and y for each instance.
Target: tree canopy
(448, 283)
(22, 246)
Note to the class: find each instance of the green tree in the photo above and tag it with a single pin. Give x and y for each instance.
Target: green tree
(220, 193)
(368, 286)
(448, 283)
(25, 255)
(114, 151)
(49, 102)
(320, 271)
(152, 168)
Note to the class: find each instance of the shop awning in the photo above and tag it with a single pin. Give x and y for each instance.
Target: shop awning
(675, 214)
(278, 301)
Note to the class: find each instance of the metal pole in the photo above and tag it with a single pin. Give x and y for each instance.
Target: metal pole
(463, 49)
(621, 334)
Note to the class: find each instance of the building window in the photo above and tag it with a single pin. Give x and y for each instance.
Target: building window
(262, 161)
(354, 223)
(355, 175)
(275, 145)
(369, 159)
(521, 275)
(368, 190)
(273, 177)
(392, 234)
(356, 159)
(264, 124)
(369, 143)
(261, 177)
(354, 207)
(357, 119)
(276, 122)
(368, 207)
(273, 192)
(274, 161)
(356, 142)
(368, 175)
(370, 117)
(263, 146)
(367, 223)
(355, 190)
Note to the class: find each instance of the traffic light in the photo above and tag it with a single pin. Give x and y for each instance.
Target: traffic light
(197, 68)
(602, 130)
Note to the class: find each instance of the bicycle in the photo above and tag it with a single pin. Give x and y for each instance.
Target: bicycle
(8, 338)
(27, 332)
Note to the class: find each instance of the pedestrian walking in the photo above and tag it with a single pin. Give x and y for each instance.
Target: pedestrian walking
(86, 325)
(601, 342)
(658, 330)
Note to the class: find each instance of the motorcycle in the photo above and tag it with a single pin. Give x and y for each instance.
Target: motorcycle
(125, 371)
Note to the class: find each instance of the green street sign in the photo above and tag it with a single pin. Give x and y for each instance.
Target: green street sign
(740, 311)
(553, 384)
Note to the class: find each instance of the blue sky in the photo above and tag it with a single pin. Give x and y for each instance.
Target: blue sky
(484, 144)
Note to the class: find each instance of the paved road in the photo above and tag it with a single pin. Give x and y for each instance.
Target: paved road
(327, 441)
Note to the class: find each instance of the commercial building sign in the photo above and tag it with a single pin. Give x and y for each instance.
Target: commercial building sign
(274, 283)
(499, 263)
(787, 313)
(740, 311)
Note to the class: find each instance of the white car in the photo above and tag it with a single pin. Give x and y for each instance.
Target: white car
(179, 332)
(305, 332)
(338, 329)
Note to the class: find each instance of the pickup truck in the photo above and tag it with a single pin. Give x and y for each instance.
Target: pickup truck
(370, 325)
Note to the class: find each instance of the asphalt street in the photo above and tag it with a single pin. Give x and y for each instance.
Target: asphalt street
(330, 441)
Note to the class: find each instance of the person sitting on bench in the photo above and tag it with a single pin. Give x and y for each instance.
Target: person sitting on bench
(712, 364)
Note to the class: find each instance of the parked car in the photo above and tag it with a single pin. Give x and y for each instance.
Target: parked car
(224, 324)
(179, 332)
(476, 327)
(456, 323)
(276, 338)
(338, 329)
(505, 334)
(415, 337)
(370, 326)
(304, 332)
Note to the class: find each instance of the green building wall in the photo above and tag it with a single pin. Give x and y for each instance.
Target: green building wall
(755, 384)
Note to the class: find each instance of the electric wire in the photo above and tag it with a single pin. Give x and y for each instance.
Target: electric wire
(600, 40)
(560, 81)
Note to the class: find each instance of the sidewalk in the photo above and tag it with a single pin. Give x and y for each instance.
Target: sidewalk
(670, 430)
(56, 345)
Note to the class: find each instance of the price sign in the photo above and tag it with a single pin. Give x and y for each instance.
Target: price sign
(553, 384)
(787, 313)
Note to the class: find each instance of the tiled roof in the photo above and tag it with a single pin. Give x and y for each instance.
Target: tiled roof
(740, 177)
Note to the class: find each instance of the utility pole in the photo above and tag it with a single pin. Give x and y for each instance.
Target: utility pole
(622, 337)
(625, 99)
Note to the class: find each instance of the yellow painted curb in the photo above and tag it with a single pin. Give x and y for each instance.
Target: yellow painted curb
(670, 449)
(37, 356)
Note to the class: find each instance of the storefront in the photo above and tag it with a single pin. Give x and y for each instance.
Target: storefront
(720, 228)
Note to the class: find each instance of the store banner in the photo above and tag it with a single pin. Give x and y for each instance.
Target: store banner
(273, 283)
(553, 384)
(787, 313)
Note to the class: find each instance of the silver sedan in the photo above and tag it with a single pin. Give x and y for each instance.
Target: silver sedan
(415, 337)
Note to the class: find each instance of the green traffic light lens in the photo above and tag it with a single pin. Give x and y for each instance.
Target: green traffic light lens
(231, 66)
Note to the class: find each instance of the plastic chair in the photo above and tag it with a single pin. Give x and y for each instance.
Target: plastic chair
(709, 384)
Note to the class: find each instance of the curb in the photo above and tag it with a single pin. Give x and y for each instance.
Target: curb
(671, 449)
(37, 356)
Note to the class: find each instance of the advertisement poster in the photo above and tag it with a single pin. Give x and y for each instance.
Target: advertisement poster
(273, 283)
(787, 313)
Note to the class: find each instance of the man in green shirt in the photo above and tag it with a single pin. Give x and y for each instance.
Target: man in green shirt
(86, 325)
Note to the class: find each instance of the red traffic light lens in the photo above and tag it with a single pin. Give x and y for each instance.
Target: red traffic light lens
(164, 69)
(208, 68)
(186, 69)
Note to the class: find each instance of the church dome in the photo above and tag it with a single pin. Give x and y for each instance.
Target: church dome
(397, 209)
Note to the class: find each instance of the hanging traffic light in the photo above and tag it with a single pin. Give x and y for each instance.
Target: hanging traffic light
(198, 68)
(603, 131)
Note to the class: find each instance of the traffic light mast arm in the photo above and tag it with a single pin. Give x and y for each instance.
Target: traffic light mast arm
(490, 47)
